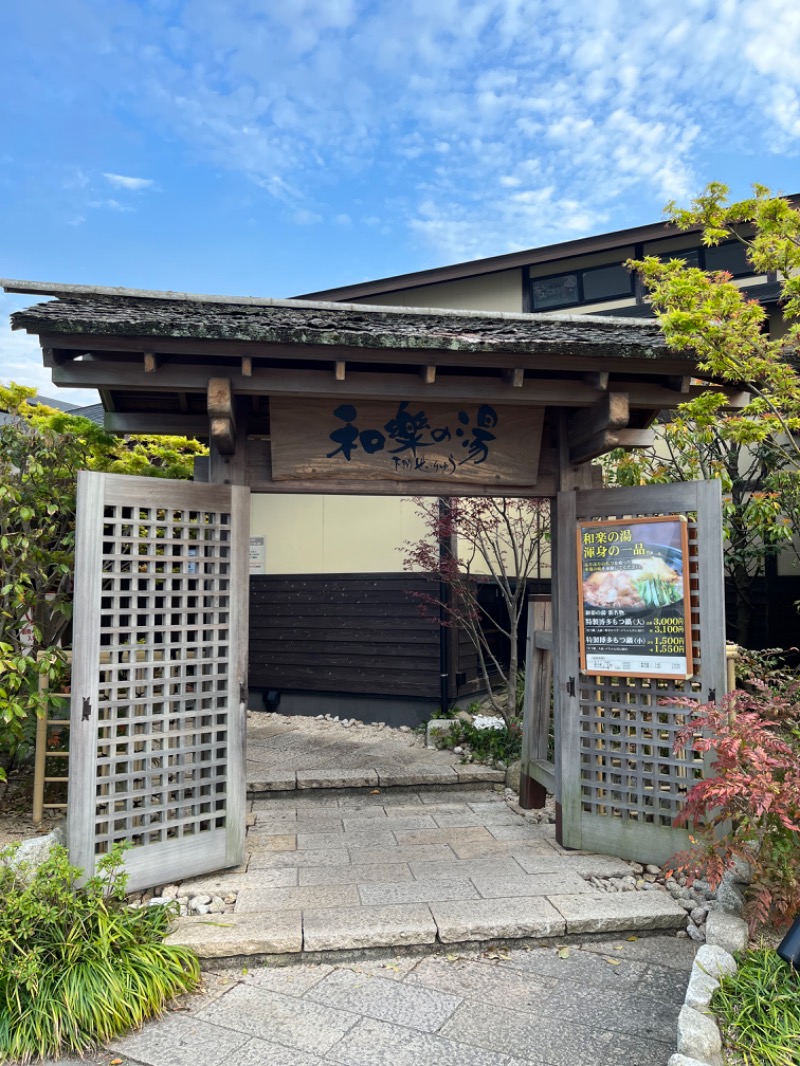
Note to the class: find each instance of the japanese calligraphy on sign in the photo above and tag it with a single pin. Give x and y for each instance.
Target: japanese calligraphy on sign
(405, 440)
(634, 597)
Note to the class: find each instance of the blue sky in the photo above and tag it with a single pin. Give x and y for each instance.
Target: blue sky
(270, 147)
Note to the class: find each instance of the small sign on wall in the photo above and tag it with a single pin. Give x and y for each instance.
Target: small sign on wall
(634, 597)
(258, 555)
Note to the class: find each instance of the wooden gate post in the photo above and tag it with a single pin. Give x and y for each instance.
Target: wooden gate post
(537, 770)
(566, 710)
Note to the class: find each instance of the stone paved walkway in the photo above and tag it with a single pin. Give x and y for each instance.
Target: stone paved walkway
(601, 1003)
(346, 870)
(394, 904)
(285, 753)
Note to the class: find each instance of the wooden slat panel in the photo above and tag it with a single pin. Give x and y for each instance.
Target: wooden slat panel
(158, 758)
(360, 633)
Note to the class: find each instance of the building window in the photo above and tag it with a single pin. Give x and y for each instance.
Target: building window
(730, 256)
(581, 286)
(690, 256)
(556, 292)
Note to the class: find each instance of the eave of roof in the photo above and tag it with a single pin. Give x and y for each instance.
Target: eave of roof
(84, 310)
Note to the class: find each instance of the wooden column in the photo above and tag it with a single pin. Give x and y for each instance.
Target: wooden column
(536, 706)
(229, 467)
(566, 725)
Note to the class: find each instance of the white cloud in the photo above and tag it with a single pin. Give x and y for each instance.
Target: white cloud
(450, 106)
(120, 181)
(304, 217)
(109, 204)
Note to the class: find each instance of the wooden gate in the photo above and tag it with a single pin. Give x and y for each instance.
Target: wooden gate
(159, 673)
(619, 784)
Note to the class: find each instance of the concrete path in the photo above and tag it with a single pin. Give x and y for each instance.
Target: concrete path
(600, 1003)
(346, 870)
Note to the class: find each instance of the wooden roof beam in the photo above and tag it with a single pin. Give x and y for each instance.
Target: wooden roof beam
(611, 412)
(607, 440)
(179, 425)
(121, 376)
(583, 359)
(598, 379)
(151, 362)
(515, 378)
(221, 415)
(340, 370)
(428, 374)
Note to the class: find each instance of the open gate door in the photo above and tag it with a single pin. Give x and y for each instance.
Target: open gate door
(159, 676)
(619, 783)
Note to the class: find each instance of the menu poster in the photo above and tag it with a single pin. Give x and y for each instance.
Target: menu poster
(635, 610)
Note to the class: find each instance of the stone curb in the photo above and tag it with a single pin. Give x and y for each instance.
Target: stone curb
(699, 1037)
(439, 777)
(301, 931)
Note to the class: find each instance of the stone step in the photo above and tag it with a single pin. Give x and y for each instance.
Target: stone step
(295, 933)
(378, 777)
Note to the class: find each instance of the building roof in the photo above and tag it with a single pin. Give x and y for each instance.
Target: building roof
(166, 362)
(550, 253)
(121, 313)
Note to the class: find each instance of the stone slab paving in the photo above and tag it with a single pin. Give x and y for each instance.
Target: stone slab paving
(351, 870)
(597, 1003)
(286, 753)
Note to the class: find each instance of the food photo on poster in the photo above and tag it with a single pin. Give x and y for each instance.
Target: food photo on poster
(634, 599)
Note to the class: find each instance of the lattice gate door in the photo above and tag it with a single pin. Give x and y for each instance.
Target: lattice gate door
(159, 676)
(618, 782)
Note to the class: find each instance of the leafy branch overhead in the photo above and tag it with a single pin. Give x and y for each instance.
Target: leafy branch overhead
(753, 452)
(709, 314)
(41, 452)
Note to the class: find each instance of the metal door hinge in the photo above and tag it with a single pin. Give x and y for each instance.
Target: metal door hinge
(87, 709)
(571, 687)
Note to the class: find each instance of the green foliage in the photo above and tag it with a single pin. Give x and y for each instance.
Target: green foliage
(22, 698)
(41, 452)
(752, 451)
(759, 1011)
(77, 965)
(748, 807)
(487, 745)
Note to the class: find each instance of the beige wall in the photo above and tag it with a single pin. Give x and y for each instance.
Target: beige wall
(333, 534)
(341, 534)
(490, 292)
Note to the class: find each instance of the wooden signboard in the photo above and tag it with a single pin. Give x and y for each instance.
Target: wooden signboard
(469, 443)
(635, 612)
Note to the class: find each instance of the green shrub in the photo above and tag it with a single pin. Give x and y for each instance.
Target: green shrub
(485, 744)
(77, 965)
(758, 1008)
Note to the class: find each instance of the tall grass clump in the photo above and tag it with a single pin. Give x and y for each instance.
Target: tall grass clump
(77, 965)
(758, 1009)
